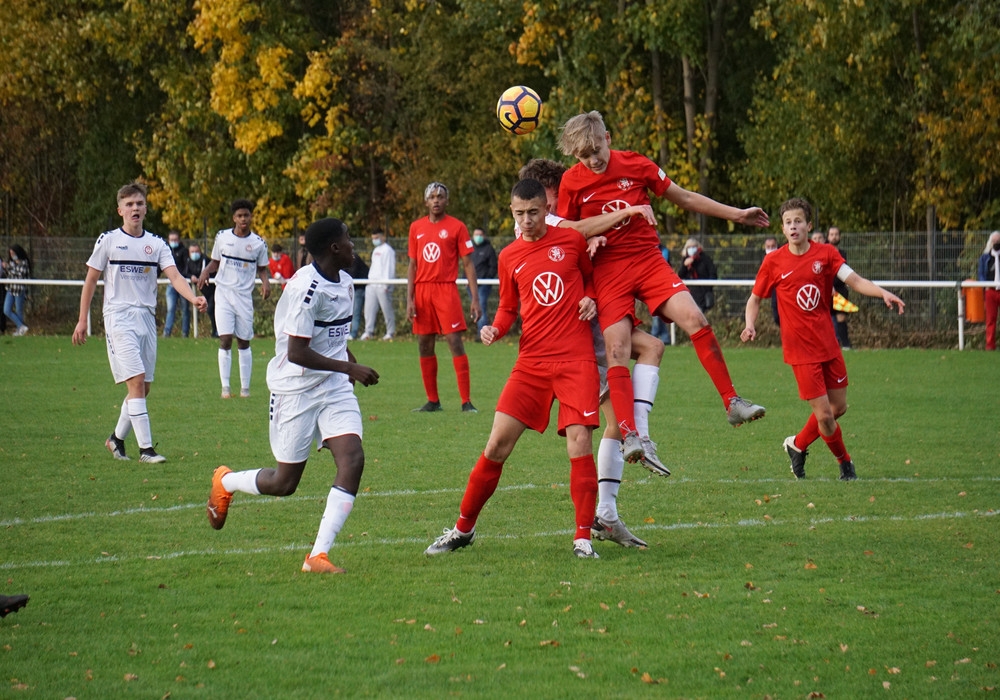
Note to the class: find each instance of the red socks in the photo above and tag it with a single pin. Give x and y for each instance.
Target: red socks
(809, 433)
(622, 398)
(836, 444)
(482, 483)
(583, 491)
(429, 372)
(462, 375)
(710, 356)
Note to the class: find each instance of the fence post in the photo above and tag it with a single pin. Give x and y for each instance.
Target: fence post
(961, 316)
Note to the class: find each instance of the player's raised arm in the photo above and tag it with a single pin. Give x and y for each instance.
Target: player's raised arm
(700, 204)
(869, 288)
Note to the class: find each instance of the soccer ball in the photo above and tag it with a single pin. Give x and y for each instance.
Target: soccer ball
(518, 109)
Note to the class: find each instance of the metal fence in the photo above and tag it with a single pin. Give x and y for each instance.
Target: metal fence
(931, 319)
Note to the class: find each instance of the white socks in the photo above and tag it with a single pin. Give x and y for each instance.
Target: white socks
(244, 482)
(124, 425)
(610, 467)
(140, 422)
(338, 507)
(645, 380)
(246, 367)
(225, 366)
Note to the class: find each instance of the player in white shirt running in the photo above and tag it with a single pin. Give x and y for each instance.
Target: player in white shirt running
(238, 256)
(131, 258)
(312, 397)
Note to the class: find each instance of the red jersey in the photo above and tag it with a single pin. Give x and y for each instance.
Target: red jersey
(548, 277)
(437, 248)
(804, 286)
(626, 181)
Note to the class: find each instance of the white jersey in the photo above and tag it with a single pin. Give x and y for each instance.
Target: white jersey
(130, 265)
(238, 259)
(383, 265)
(311, 306)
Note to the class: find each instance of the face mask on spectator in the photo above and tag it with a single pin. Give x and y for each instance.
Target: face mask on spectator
(692, 251)
(196, 256)
(478, 239)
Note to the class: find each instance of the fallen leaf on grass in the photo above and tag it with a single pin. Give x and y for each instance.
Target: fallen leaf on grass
(131, 677)
(549, 643)
(894, 671)
(433, 659)
(968, 545)
(963, 661)
(810, 565)
(843, 648)
(650, 521)
(930, 663)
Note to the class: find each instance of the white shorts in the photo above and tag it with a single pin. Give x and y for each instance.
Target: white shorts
(131, 340)
(234, 313)
(298, 420)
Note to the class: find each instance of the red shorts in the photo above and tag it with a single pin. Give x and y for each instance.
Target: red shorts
(817, 378)
(533, 386)
(618, 284)
(439, 309)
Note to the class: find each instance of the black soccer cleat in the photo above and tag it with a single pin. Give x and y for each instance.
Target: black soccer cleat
(12, 603)
(797, 456)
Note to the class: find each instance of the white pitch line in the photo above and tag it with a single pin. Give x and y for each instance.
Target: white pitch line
(267, 500)
(418, 541)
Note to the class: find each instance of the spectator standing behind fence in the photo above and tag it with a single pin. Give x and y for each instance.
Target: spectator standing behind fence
(130, 258)
(174, 299)
(989, 271)
(660, 328)
(484, 259)
(698, 265)
(771, 245)
(239, 255)
(280, 265)
(358, 271)
(18, 267)
(839, 317)
(197, 262)
(379, 296)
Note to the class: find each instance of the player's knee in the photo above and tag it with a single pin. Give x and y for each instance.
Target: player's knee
(838, 411)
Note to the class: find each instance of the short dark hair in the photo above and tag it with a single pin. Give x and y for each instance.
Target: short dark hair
(528, 189)
(320, 234)
(130, 189)
(240, 204)
(548, 172)
(276, 248)
(797, 203)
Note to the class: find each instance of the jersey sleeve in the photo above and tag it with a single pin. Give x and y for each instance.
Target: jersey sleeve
(463, 240)
(301, 317)
(164, 258)
(262, 258)
(99, 258)
(506, 313)
(411, 242)
(762, 285)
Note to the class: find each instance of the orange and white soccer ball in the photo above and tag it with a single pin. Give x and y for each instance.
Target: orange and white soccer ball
(519, 109)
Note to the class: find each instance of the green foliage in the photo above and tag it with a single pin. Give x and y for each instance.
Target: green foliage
(876, 111)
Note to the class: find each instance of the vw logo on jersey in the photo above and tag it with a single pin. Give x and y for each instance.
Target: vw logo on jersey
(624, 183)
(148, 249)
(808, 297)
(443, 234)
(817, 267)
(548, 289)
(556, 253)
(616, 205)
(432, 252)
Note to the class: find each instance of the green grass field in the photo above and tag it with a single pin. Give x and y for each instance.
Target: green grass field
(754, 585)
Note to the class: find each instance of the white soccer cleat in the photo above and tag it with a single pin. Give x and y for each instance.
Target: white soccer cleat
(450, 541)
(583, 549)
